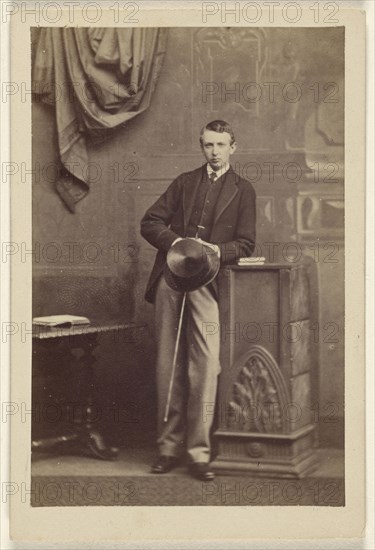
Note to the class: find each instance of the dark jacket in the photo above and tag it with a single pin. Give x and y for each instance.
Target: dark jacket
(233, 228)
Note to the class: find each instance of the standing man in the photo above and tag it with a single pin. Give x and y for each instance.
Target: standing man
(216, 207)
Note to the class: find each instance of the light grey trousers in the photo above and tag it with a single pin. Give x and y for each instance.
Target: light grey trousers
(198, 365)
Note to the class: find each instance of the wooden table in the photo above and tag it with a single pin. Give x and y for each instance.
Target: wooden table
(53, 347)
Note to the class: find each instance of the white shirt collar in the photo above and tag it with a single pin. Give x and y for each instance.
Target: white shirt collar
(220, 172)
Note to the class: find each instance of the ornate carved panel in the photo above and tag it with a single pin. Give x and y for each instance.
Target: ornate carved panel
(259, 397)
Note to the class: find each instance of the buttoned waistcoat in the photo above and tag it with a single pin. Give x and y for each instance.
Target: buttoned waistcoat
(233, 228)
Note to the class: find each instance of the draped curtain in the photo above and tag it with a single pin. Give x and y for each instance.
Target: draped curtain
(97, 79)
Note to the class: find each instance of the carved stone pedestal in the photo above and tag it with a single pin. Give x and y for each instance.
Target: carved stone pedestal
(264, 411)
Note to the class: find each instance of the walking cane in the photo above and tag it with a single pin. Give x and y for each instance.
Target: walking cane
(174, 364)
(175, 358)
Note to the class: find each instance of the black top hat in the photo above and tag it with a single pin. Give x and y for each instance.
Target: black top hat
(190, 265)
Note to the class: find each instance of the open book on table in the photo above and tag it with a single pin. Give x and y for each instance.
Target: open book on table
(60, 321)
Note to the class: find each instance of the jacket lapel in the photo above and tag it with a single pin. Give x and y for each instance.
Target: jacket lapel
(190, 189)
(228, 191)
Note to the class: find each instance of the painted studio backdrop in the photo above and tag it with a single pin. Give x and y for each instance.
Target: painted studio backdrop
(100, 160)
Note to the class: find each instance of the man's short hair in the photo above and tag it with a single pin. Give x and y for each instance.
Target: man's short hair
(218, 126)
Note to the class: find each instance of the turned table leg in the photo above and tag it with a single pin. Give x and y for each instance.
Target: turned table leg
(90, 439)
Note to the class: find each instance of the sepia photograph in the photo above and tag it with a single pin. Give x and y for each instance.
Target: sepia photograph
(188, 275)
(187, 272)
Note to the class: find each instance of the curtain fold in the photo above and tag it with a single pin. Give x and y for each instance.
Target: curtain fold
(97, 79)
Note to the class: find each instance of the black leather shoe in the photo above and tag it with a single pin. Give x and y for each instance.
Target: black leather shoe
(201, 471)
(165, 464)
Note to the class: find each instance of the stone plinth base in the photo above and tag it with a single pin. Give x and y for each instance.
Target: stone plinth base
(266, 455)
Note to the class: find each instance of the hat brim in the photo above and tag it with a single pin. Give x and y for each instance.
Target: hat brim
(182, 284)
(190, 265)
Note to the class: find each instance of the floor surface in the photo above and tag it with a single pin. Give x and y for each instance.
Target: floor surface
(79, 481)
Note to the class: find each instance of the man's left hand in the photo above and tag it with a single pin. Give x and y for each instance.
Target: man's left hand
(214, 247)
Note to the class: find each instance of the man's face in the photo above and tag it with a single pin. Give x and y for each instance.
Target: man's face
(217, 148)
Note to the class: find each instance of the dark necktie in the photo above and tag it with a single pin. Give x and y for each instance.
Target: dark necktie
(213, 177)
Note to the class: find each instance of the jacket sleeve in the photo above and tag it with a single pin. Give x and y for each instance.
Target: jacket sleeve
(155, 223)
(243, 244)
